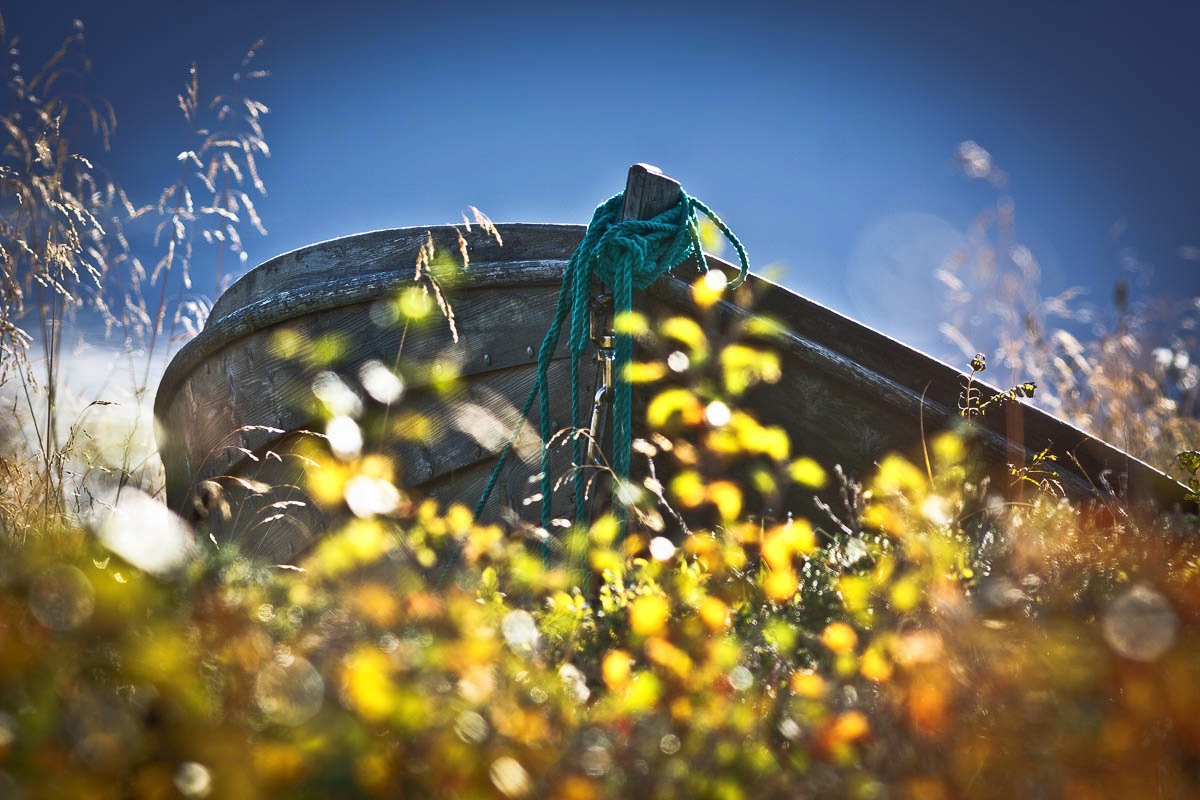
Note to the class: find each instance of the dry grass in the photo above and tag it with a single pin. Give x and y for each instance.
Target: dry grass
(67, 268)
(1127, 372)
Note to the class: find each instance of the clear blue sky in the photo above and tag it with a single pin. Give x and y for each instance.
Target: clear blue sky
(823, 132)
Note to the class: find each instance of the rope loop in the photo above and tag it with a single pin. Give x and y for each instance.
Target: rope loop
(626, 256)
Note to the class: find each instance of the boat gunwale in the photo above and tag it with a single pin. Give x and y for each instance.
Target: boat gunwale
(1152, 483)
(814, 353)
(225, 327)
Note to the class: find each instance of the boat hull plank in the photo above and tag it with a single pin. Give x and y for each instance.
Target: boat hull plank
(239, 392)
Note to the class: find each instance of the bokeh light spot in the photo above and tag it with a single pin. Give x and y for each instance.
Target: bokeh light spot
(1140, 624)
(62, 598)
(289, 694)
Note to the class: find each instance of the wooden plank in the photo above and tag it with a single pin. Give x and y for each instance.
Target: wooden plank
(850, 394)
(390, 252)
(648, 192)
(250, 384)
(466, 431)
(473, 424)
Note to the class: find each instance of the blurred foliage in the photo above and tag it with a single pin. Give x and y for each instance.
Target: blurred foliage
(83, 265)
(932, 642)
(1125, 370)
(926, 640)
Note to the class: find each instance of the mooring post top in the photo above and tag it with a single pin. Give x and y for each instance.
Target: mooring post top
(648, 192)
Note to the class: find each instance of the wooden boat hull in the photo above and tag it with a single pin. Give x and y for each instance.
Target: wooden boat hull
(238, 421)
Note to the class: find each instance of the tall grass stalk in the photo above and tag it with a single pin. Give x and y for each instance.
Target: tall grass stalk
(1127, 371)
(67, 264)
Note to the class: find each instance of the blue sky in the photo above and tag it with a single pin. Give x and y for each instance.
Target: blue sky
(823, 132)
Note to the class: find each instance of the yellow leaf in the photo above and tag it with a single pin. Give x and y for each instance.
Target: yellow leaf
(774, 443)
(782, 542)
(367, 686)
(714, 613)
(847, 728)
(884, 518)
(688, 488)
(763, 481)
(669, 657)
(675, 404)
(631, 323)
(948, 449)
(801, 535)
(376, 603)
(897, 475)
(855, 591)
(604, 530)
(727, 497)
(643, 693)
(413, 426)
(377, 466)
(765, 327)
(644, 371)
(459, 519)
(875, 666)
(808, 684)
(288, 344)
(687, 332)
(327, 482)
(711, 238)
(616, 669)
(327, 349)
(839, 637)
(905, 595)
(807, 472)
(708, 288)
(776, 551)
(771, 441)
(780, 585)
(602, 558)
(648, 615)
(414, 303)
(745, 366)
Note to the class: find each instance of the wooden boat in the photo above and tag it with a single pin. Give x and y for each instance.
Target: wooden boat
(236, 407)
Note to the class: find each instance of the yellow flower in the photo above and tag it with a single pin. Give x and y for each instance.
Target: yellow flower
(648, 615)
(616, 669)
(839, 637)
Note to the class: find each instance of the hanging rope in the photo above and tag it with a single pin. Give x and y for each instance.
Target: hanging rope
(626, 256)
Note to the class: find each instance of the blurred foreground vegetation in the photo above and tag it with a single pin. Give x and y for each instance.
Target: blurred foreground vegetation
(922, 640)
(909, 651)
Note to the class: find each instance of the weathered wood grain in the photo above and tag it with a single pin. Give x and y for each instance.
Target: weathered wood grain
(848, 394)
(467, 426)
(648, 192)
(252, 383)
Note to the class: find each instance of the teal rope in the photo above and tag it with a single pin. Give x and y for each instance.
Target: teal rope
(626, 256)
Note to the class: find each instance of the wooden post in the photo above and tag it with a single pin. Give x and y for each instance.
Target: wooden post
(648, 192)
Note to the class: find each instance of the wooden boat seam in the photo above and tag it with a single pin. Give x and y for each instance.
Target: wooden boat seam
(395, 249)
(807, 350)
(327, 295)
(206, 470)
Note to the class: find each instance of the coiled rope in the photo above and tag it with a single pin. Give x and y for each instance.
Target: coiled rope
(625, 255)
